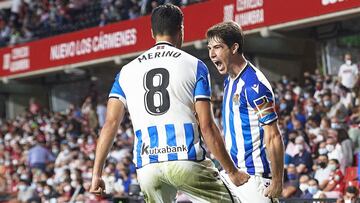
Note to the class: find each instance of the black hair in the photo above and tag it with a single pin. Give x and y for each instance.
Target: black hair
(166, 19)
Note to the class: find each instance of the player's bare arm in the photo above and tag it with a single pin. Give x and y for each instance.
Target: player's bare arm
(275, 151)
(114, 115)
(215, 142)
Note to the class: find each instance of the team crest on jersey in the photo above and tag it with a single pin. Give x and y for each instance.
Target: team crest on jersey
(236, 99)
(264, 106)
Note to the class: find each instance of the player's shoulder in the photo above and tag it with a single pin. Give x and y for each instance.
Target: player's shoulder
(254, 77)
(250, 74)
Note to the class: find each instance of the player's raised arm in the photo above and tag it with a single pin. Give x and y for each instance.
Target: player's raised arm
(215, 143)
(114, 115)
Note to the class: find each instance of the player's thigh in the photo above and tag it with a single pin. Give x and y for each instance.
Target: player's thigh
(199, 180)
(152, 184)
(250, 192)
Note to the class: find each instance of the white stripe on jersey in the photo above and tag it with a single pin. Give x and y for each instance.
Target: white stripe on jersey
(180, 140)
(238, 131)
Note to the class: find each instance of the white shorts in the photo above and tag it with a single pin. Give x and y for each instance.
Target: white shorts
(200, 181)
(250, 192)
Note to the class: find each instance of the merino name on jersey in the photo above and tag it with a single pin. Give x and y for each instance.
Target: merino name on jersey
(158, 54)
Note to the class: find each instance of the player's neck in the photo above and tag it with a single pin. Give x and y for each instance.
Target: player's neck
(237, 65)
(167, 38)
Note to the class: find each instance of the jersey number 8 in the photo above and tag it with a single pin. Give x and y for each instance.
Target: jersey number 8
(157, 100)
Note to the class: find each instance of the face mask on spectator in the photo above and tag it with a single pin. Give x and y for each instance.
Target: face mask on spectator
(337, 178)
(46, 192)
(303, 187)
(21, 187)
(309, 108)
(288, 96)
(330, 147)
(66, 151)
(50, 182)
(74, 184)
(299, 147)
(322, 164)
(39, 189)
(282, 106)
(335, 126)
(67, 188)
(306, 95)
(73, 176)
(55, 150)
(348, 201)
(348, 62)
(291, 176)
(90, 141)
(327, 103)
(322, 151)
(332, 167)
(312, 189)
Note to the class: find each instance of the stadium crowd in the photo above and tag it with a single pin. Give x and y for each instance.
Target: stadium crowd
(28, 20)
(46, 155)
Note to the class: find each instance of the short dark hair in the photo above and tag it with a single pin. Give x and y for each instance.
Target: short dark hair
(166, 19)
(228, 32)
(352, 189)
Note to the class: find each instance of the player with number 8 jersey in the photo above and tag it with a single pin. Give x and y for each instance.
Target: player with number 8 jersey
(163, 89)
(159, 88)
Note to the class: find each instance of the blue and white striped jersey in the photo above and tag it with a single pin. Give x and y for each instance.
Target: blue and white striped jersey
(159, 89)
(248, 104)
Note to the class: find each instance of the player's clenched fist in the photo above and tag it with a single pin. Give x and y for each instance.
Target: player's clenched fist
(97, 186)
(239, 177)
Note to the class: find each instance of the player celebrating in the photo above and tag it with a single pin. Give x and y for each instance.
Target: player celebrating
(162, 89)
(249, 117)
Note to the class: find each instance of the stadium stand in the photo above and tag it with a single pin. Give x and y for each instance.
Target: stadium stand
(69, 140)
(30, 20)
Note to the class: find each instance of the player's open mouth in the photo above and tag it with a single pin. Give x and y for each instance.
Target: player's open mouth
(217, 63)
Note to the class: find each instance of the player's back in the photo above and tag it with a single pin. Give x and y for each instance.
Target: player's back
(160, 87)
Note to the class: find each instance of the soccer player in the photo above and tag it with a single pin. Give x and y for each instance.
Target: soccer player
(162, 89)
(249, 119)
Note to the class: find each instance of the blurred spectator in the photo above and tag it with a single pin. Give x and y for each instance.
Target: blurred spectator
(322, 170)
(335, 184)
(101, 113)
(337, 109)
(291, 185)
(34, 106)
(25, 191)
(314, 190)
(303, 186)
(351, 195)
(346, 146)
(333, 148)
(348, 73)
(39, 156)
(302, 160)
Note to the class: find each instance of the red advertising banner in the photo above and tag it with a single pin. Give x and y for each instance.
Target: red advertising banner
(134, 35)
(251, 14)
(100, 42)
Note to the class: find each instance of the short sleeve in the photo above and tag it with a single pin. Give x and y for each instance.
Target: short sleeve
(261, 99)
(116, 90)
(202, 87)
